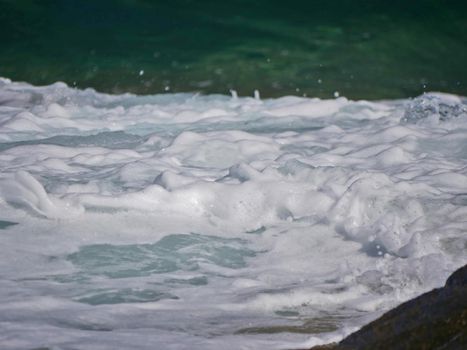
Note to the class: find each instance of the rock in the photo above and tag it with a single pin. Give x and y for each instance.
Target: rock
(434, 320)
(458, 278)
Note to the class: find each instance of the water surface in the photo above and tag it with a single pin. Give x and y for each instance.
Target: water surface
(361, 49)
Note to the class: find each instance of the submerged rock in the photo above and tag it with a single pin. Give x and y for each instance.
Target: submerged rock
(434, 320)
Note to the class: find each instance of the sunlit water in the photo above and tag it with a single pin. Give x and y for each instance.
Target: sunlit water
(181, 221)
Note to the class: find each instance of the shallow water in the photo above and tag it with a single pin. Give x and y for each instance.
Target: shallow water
(182, 221)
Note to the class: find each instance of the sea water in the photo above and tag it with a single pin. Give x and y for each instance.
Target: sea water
(183, 221)
(363, 49)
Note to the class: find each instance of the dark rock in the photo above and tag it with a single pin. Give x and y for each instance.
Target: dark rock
(458, 278)
(434, 320)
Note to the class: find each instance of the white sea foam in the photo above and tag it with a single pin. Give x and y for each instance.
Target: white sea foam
(182, 221)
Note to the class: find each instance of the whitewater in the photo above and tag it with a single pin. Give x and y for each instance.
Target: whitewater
(183, 221)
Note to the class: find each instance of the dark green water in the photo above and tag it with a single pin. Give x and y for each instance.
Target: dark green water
(363, 49)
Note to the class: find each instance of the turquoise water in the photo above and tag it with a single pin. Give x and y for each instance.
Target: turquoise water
(171, 253)
(362, 49)
(134, 264)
